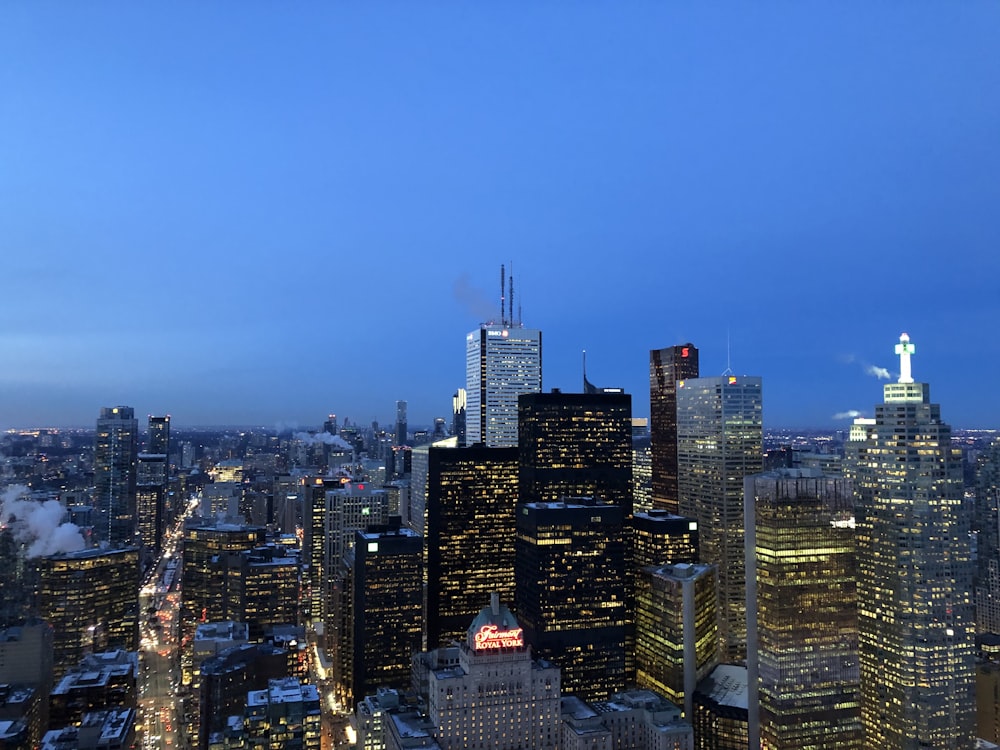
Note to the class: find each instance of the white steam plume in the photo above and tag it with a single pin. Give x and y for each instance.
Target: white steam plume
(879, 372)
(850, 414)
(323, 437)
(39, 525)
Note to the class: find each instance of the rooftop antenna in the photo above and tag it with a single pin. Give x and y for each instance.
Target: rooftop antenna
(503, 283)
(584, 370)
(728, 370)
(510, 317)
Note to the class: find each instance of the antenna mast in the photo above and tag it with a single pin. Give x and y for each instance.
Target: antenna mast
(510, 316)
(503, 283)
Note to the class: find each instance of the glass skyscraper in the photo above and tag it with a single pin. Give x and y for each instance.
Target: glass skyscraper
(915, 614)
(501, 363)
(666, 367)
(719, 442)
(116, 450)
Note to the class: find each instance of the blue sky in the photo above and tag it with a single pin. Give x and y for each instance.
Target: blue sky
(261, 213)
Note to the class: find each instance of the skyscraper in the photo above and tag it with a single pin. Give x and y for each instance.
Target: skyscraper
(571, 591)
(666, 367)
(501, 363)
(915, 616)
(159, 435)
(91, 599)
(719, 442)
(988, 523)
(387, 603)
(802, 618)
(400, 423)
(471, 494)
(116, 449)
(576, 445)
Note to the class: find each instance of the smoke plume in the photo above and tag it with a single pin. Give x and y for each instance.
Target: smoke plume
(38, 524)
(850, 414)
(323, 437)
(879, 372)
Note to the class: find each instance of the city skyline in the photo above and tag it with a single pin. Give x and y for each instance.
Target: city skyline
(266, 217)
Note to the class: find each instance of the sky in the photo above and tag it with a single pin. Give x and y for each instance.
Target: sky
(263, 213)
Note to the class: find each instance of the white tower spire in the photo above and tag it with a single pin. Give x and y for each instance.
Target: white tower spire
(904, 349)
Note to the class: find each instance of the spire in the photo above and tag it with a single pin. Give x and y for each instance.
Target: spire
(904, 349)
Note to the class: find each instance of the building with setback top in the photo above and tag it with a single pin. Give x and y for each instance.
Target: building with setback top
(915, 615)
(666, 367)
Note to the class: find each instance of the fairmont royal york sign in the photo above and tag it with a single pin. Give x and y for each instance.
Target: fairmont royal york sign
(490, 636)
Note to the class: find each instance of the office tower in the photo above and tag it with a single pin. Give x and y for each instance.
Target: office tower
(987, 587)
(115, 454)
(642, 473)
(271, 589)
(471, 494)
(719, 442)
(575, 445)
(661, 538)
(284, 716)
(330, 425)
(352, 508)
(400, 423)
(387, 603)
(225, 681)
(501, 363)
(720, 710)
(151, 493)
(496, 696)
(666, 367)
(458, 404)
(207, 594)
(802, 621)
(26, 654)
(314, 545)
(915, 615)
(571, 591)
(91, 599)
(159, 435)
(677, 636)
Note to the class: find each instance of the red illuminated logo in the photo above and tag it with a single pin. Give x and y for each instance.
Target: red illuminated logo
(685, 352)
(490, 636)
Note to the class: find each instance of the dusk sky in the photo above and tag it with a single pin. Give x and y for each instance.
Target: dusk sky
(262, 213)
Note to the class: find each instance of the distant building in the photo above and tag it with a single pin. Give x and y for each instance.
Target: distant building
(401, 423)
(98, 682)
(116, 448)
(458, 411)
(987, 585)
(111, 729)
(637, 719)
(501, 363)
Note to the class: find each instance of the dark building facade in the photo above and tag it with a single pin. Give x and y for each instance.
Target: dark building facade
(471, 495)
(387, 608)
(116, 450)
(91, 599)
(571, 591)
(666, 367)
(575, 445)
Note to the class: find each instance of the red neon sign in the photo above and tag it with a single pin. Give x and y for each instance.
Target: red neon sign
(684, 352)
(490, 636)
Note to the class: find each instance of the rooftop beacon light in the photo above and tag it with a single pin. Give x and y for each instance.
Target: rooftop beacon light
(904, 349)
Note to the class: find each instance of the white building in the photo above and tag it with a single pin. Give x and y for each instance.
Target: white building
(497, 696)
(501, 363)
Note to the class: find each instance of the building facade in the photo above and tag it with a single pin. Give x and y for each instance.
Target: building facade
(116, 449)
(471, 495)
(719, 442)
(802, 611)
(915, 614)
(571, 591)
(501, 363)
(666, 367)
